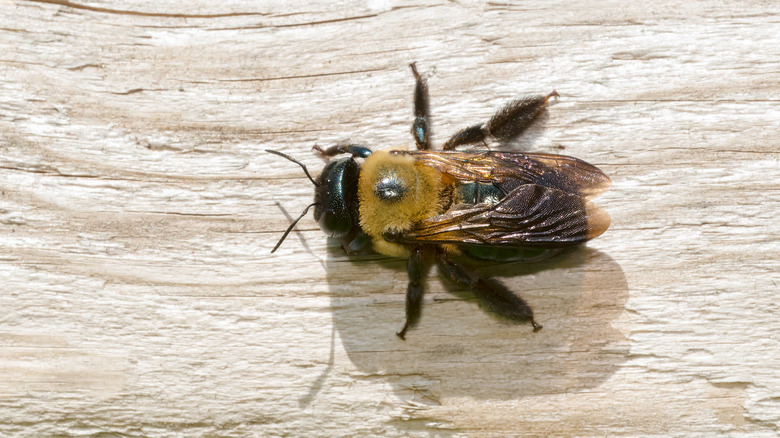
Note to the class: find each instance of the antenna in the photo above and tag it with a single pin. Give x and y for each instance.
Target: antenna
(305, 170)
(284, 236)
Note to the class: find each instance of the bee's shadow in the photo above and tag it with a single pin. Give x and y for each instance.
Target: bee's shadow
(460, 350)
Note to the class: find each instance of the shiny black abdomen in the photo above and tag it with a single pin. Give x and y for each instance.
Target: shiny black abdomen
(479, 193)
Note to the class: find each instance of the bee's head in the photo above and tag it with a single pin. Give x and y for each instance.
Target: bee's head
(335, 199)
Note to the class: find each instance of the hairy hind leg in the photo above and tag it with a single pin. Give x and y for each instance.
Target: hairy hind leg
(506, 123)
(492, 293)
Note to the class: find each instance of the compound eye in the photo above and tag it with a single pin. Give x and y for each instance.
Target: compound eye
(336, 197)
(335, 223)
(390, 187)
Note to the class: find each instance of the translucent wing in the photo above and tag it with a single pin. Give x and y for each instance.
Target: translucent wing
(531, 215)
(509, 170)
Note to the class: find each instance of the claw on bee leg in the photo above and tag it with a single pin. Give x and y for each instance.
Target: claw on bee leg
(492, 293)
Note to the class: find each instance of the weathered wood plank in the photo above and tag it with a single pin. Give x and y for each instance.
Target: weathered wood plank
(138, 209)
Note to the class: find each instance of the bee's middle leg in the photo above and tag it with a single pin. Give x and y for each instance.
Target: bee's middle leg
(492, 293)
(414, 291)
(421, 128)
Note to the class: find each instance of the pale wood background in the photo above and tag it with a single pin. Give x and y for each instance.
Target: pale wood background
(137, 211)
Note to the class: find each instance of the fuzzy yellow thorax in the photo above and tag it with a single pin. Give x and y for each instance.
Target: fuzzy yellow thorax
(414, 194)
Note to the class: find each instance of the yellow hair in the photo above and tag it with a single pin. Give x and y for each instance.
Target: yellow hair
(420, 200)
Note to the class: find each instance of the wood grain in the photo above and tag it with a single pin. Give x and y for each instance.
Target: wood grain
(138, 208)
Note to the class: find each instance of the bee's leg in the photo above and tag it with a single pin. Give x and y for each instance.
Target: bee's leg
(505, 124)
(492, 293)
(420, 128)
(355, 150)
(356, 242)
(414, 291)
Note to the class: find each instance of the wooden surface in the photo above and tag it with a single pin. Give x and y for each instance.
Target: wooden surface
(138, 208)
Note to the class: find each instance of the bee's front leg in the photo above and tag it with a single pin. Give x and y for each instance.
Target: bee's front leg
(356, 242)
(492, 293)
(355, 150)
(414, 291)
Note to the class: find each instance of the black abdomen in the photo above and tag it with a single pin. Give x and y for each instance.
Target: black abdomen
(479, 193)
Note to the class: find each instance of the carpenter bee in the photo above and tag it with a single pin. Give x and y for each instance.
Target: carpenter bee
(448, 205)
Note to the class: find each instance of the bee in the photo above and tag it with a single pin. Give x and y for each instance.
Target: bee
(448, 205)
